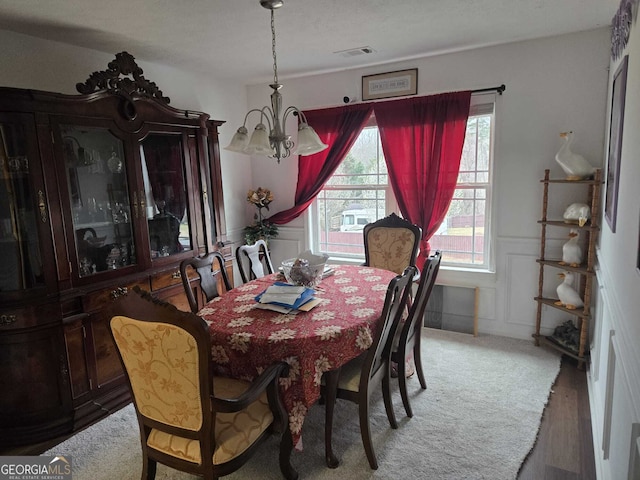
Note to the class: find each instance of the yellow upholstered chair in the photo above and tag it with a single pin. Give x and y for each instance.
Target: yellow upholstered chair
(359, 377)
(253, 261)
(391, 243)
(188, 419)
(408, 335)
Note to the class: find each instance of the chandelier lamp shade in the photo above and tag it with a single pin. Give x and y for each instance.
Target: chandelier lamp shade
(269, 136)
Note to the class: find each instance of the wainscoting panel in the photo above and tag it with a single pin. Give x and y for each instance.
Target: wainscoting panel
(289, 242)
(622, 420)
(520, 307)
(608, 398)
(614, 386)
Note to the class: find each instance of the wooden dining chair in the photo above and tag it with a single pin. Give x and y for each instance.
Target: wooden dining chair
(207, 268)
(391, 243)
(358, 378)
(190, 419)
(409, 332)
(254, 261)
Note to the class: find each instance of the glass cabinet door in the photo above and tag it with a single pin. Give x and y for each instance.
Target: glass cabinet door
(20, 257)
(164, 176)
(99, 198)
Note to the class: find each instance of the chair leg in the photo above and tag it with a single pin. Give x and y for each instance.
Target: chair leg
(365, 431)
(331, 387)
(149, 469)
(286, 447)
(418, 363)
(386, 396)
(402, 382)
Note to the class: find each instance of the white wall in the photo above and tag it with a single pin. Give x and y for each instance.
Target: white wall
(552, 85)
(614, 378)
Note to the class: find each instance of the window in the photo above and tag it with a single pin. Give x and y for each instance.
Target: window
(359, 192)
(461, 236)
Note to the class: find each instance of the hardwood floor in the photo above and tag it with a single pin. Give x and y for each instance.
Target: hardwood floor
(564, 449)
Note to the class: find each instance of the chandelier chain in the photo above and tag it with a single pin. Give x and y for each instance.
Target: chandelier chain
(273, 49)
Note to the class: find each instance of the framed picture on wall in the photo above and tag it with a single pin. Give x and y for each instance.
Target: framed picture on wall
(391, 84)
(618, 95)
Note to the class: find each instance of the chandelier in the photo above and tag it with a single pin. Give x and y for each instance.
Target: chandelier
(275, 142)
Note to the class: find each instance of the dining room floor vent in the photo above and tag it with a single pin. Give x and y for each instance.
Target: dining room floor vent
(453, 308)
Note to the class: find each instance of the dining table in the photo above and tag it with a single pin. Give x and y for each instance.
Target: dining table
(246, 339)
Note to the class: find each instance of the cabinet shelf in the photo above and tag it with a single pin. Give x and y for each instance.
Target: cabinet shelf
(551, 342)
(582, 269)
(578, 312)
(588, 181)
(584, 272)
(560, 223)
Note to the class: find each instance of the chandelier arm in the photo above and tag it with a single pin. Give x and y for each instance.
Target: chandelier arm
(268, 115)
(302, 116)
(244, 124)
(289, 110)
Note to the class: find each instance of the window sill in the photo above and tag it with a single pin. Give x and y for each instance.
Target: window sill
(447, 275)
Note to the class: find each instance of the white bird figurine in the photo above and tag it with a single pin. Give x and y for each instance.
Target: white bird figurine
(574, 165)
(571, 251)
(568, 297)
(577, 213)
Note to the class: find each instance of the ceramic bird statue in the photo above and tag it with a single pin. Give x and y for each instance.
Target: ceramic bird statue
(577, 213)
(574, 165)
(568, 297)
(571, 251)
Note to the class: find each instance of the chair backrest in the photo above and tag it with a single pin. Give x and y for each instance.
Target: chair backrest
(379, 354)
(391, 243)
(413, 324)
(254, 261)
(208, 268)
(166, 355)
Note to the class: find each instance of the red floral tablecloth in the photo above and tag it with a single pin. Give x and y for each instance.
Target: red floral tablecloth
(245, 339)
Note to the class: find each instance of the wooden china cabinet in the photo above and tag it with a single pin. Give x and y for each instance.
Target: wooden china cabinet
(98, 192)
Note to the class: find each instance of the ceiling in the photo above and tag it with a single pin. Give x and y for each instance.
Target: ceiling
(232, 39)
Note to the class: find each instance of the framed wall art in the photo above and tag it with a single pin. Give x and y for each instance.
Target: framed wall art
(618, 95)
(391, 84)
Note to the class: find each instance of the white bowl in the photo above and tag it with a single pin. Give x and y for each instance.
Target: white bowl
(301, 273)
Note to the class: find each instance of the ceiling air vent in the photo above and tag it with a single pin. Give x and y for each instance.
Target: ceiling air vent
(353, 52)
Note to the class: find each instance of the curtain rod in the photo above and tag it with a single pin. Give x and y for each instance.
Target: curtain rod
(499, 89)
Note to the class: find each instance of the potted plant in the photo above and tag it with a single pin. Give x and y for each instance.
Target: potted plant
(260, 228)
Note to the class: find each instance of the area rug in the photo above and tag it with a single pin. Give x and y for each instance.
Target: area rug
(478, 419)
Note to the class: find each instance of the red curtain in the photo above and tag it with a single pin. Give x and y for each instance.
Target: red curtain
(422, 140)
(339, 128)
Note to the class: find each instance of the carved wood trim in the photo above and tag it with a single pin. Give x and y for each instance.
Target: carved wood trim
(109, 80)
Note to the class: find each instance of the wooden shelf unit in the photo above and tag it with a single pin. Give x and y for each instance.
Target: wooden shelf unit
(585, 272)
